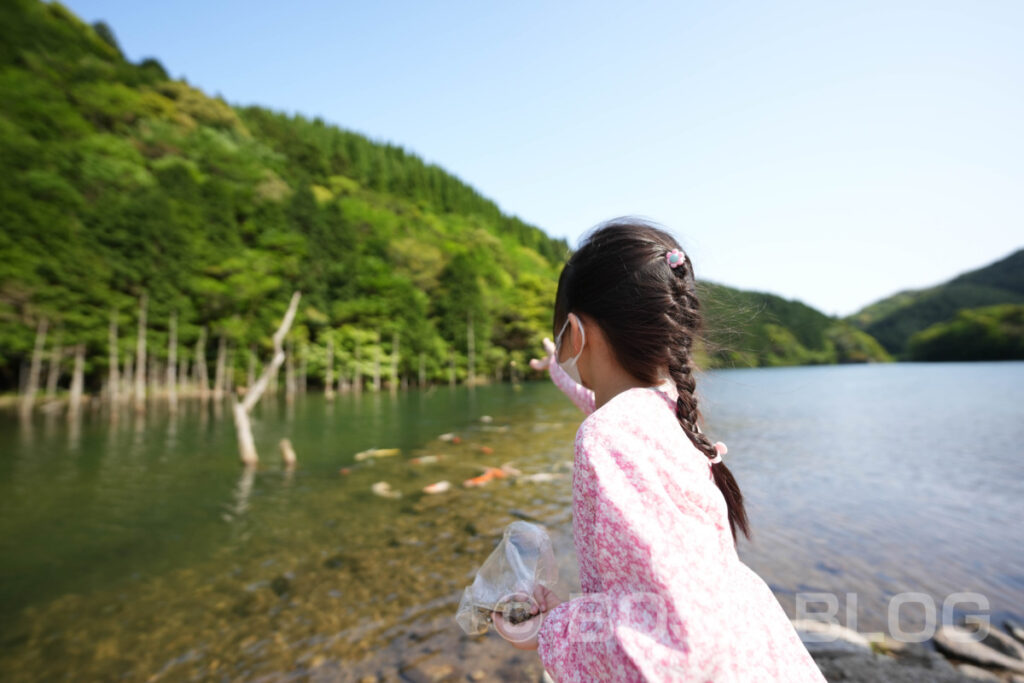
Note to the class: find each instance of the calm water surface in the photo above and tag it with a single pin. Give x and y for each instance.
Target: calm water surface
(138, 547)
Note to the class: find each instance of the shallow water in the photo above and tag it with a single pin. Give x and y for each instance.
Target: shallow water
(139, 547)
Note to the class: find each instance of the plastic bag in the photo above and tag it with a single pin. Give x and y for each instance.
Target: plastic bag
(523, 559)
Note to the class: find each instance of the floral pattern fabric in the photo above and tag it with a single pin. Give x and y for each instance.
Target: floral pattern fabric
(665, 596)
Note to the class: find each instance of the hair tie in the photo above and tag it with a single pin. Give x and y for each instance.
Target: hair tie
(675, 257)
(720, 450)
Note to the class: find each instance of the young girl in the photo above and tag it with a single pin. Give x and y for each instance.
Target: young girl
(655, 510)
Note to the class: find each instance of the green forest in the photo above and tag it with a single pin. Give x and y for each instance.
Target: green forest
(897, 320)
(123, 187)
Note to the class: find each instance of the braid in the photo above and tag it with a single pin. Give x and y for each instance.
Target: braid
(686, 322)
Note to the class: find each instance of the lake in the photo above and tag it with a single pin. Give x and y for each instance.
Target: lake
(138, 547)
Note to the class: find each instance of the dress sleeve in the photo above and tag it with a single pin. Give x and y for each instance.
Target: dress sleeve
(636, 549)
(577, 393)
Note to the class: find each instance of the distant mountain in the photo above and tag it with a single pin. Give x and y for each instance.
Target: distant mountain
(987, 333)
(895, 319)
(748, 329)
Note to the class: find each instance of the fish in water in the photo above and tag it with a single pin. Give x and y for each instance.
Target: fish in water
(437, 487)
(425, 460)
(384, 490)
(450, 437)
(489, 474)
(377, 453)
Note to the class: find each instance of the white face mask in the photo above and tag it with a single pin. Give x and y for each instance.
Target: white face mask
(570, 365)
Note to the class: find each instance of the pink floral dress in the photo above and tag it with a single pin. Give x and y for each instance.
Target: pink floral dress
(665, 596)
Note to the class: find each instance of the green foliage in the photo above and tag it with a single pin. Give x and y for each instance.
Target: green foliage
(760, 329)
(118, 181)
(893, 321)
(988, 333)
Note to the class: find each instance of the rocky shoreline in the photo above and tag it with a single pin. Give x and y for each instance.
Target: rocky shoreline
(953, 655)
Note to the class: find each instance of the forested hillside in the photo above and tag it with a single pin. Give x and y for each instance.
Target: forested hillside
(987, 333)
(894, 320)
(121, 186)
(758, 329)
(118, 181)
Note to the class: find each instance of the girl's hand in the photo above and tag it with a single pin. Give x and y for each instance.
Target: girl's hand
(524, 634)
(543, 363)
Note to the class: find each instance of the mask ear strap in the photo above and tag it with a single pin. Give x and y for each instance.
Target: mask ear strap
(583, 335)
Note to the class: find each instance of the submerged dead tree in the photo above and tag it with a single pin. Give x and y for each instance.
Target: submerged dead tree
(113, 378)
(172, 363)
(77, 382)
(140, 359)
(202, 376)
(329, 371)
(53, 372)
(470, 351)
(28, 399)
(242, 409)
(394, 361)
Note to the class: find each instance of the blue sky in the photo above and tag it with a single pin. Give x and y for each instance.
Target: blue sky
(833, 152)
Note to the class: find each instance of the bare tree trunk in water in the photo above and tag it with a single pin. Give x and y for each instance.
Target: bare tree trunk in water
(28, 399)
(77, 382)
(242, 409)
(153, 377)
(202, 377)
(128, 376)
(113, 380)
(289, 374)
(53, 372)
(229, 372)
(140, 359)
(172, 363)
(218, 381)
(376, 363)
(470, 351)
(357, 372)
(394, 361)
(329, 371)
(183, 373)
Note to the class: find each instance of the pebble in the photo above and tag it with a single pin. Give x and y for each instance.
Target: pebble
(384, 490)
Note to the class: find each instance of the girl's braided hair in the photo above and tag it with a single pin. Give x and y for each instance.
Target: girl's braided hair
(651, 316)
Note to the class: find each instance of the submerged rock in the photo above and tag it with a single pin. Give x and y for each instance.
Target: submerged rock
(996, 639)
(280, 585)
(384, 490)
(1016, 630)
(961, 643)
(823, 636)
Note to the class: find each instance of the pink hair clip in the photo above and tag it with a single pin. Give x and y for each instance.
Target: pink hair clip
(675, 257)
(720, 450)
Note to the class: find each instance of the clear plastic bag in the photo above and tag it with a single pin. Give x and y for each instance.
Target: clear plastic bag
(522, 560)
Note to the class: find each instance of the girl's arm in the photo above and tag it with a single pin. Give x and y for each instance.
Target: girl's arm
(577, 393)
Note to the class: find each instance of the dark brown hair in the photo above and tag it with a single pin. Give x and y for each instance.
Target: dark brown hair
(650, 315)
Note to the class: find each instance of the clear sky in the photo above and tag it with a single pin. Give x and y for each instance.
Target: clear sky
(832, 152)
